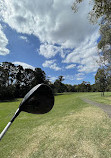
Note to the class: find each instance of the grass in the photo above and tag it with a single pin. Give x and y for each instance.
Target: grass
(106, 99)
(73, 129)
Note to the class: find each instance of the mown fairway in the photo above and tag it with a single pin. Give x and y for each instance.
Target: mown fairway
(73, 129)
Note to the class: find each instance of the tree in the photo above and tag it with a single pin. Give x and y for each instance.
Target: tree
(101, 80)
(7, 80)
(83, 87)
(15, 81)
(3, 77)
(59, 86)
(104, 44)
(108, 74)
(10, 69)
(27, 80)
(93, 88)
(101, 9)
(28, 77)
(70, 88)
(61, 78)
(19, 80)
(39, 76)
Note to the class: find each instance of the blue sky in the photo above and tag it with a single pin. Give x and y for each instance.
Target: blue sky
(41, 34)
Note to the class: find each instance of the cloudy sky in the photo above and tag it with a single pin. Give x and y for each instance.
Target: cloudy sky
(49, 35)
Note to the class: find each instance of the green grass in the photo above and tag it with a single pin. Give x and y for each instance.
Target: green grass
(106, 99)
(73, 129)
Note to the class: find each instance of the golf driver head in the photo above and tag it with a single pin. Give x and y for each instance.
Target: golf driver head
(38, 100)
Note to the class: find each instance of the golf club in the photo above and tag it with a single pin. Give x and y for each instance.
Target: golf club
(39, 100)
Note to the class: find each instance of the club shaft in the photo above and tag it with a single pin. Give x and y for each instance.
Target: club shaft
(9, 124)
(15, 115)
(5, 130)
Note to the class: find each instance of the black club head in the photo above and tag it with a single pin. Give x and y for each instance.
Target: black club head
(38, 100)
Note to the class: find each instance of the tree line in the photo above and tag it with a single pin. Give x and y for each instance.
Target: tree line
(15, 81)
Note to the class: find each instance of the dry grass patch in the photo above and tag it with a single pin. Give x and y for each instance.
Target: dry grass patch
(89, 150)
(77, 135)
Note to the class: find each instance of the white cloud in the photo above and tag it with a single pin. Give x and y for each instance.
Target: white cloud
(53, 22)
(55, 67)
(85, 55)
(52, 78)
(80, 76)
(51, 64)
(54, 25)
(89, 65)
(3, 42)
(24, 65)
(24, 38)
(49, 50)
(71, 66)
(47, 63)
(69, 77)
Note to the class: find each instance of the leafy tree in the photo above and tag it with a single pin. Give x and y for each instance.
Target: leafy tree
(6, 81)
(3, 77)
(101, 9)
(27, 80)
(69, 88)
(93, 88)
(59, 86)
(19, 80)
(61, 78)
(10, 71)
(105, 44)
(83, 87)
(28, 77)
(39, 76)
(108, 75)
(101, 80)
(15, 81)
(3, 80)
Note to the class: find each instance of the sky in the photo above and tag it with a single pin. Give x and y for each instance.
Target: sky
(49, 35)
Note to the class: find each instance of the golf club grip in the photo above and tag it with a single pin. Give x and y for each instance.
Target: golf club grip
(5, 129)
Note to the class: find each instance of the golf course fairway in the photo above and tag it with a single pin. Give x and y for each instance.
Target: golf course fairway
(72, 129)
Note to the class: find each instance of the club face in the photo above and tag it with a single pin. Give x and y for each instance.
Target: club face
(38, 100)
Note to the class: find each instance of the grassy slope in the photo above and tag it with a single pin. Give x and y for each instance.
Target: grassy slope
(72, 129)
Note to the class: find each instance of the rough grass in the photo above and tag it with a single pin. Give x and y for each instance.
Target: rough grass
(73, 129)
(106, 99)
